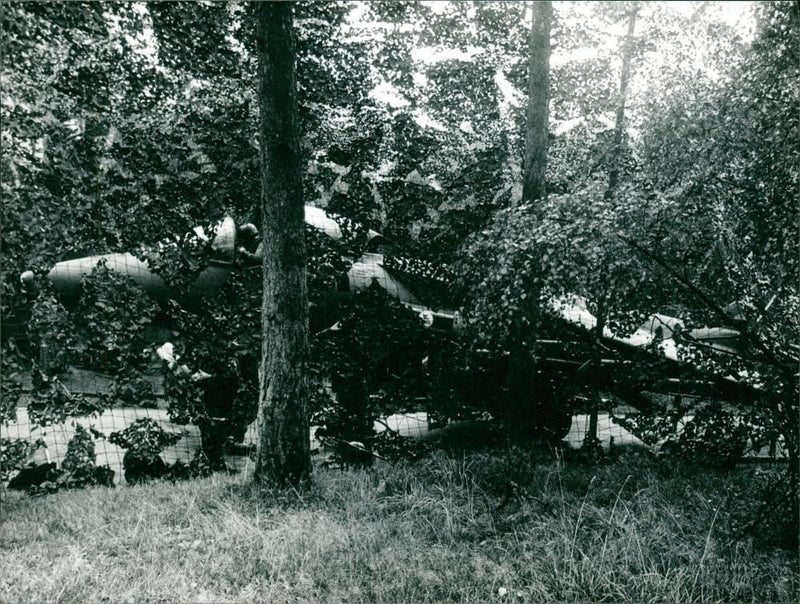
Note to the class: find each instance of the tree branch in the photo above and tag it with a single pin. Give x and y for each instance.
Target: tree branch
(757, 342)
(706, 299)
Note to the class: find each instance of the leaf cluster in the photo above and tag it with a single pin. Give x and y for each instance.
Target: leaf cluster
(53, 403)
(145, 437)
(78, 469)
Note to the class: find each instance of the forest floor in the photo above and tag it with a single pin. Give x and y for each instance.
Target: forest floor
(508, 525)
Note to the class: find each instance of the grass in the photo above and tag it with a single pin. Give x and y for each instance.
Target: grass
(512, 526)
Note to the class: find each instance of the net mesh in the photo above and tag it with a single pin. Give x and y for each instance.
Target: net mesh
(66, 277)
(53, 439)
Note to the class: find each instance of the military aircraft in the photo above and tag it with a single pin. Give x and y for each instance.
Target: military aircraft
(229, 253)
(564, 360)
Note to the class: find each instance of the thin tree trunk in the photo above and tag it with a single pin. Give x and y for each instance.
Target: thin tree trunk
(591, 435)
(522, 387)
(533, 184)
(619, 126)
(283, 442)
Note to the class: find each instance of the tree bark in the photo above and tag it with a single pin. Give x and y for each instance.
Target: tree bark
(619, 125)
(522, 387)
(533, 184)
(283, 441)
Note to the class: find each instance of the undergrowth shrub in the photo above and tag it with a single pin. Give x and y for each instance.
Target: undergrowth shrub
(144, 441)
(78, 470)
(374, 362)
(14, 453)
(712, 437)
(703, 432)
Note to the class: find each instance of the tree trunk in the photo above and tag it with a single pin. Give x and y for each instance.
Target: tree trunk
(598, 359)
(533, 184)
(283, 441)
(619, 126)
(522, 375)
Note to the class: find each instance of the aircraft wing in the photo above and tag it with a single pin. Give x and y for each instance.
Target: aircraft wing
(652, 358)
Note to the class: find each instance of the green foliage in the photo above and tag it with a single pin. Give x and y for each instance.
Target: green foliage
(53, 403)
(14, 454)
(328, 261)
(102, 333)
(584, 255)
(53, 334)
(78, 470)
(732, 173)
(178, 262)
(222, 340)
(145, 438)
(80, 451)
(651, 429)
(131, 389)
(501, 276)
(144, 441)
(712, 437)
(110, 317)
(11, 369)
(702, 432)
(207, 55)
(374, 360)
(725, 152)
(198, 467)
(184, 399)
(114, 141)
(565, 249)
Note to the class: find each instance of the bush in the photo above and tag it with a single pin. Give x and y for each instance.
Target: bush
(78, 470)
(14, 453)
(144, 438)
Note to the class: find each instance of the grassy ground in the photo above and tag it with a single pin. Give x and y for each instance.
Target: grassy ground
(513, 526)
